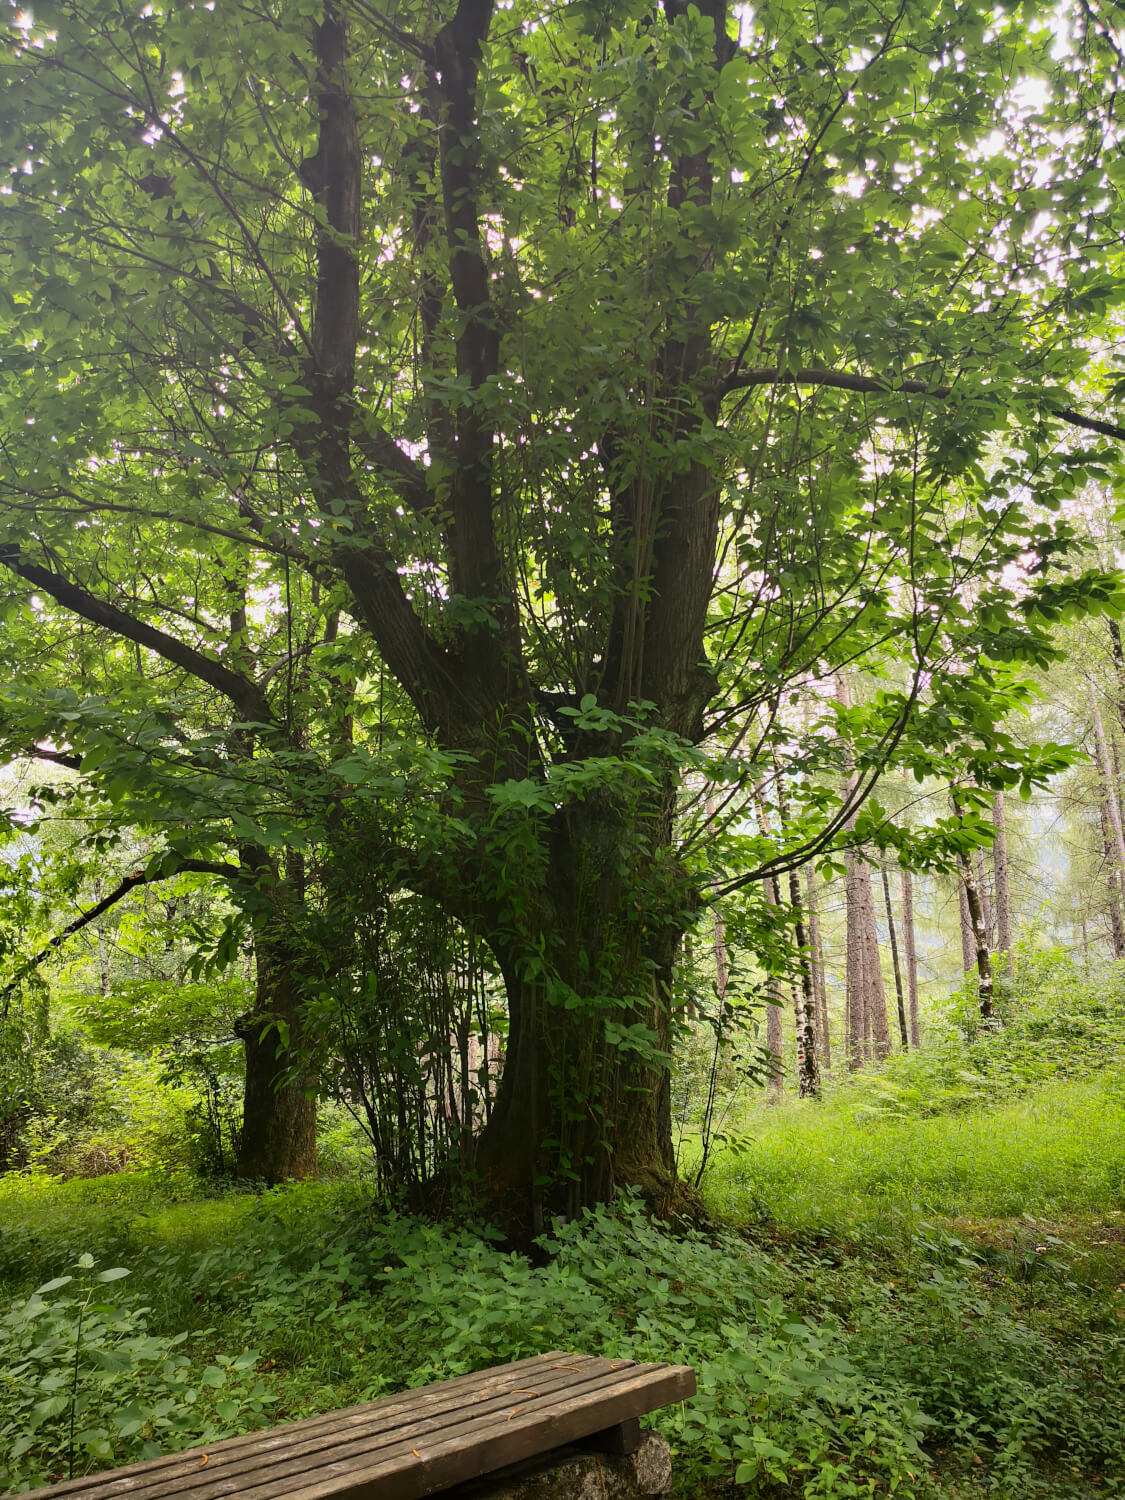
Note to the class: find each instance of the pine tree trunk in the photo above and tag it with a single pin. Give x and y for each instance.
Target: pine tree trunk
(904, 1035)
(910, 955)
(1000, 874)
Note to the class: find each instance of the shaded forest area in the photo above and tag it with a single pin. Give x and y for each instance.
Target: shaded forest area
(562, 715)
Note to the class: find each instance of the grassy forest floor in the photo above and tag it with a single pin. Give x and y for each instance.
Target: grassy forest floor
(930, 1306)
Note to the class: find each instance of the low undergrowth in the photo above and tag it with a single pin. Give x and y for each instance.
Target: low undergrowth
(917, 1363)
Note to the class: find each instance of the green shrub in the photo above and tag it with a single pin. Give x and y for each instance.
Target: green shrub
(85, 1385)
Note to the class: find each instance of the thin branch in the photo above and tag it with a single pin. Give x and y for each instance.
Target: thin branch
(125, 888)
(247, 697)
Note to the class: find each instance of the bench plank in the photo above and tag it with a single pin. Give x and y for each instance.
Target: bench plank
(407, 1446)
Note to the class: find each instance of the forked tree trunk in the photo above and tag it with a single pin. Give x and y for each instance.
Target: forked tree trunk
(279, 1117)
(910, 955)
(1000, 875)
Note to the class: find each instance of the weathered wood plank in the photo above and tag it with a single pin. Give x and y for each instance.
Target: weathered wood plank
(410, 1445)
(421, 1399)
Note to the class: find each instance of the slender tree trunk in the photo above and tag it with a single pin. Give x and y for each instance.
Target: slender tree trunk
(910, 955)
(855, 986)
(904, 1035)
(985, 899)
(977, 930)
(773, 1009)
(876, 1000)
(808, 1073)
(1109, 786)
(1117, 926)
(968, 947)
(1000, 874)
(824, 1041)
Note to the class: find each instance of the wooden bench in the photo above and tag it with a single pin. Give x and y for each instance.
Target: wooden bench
(414, 1444)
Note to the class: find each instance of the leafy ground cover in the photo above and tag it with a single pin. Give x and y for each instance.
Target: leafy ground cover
(847, 1351)
(915, 1287)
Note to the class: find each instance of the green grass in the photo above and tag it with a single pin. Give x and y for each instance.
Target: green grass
(1058, 1151)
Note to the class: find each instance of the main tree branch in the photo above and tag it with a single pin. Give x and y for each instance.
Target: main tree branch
(125, 888)
(248, 698)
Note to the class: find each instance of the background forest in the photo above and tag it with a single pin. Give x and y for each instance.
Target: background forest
(563, 724)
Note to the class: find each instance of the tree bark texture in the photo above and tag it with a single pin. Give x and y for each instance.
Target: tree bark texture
(1113, 884)
(968, 945)
(808, 1072)
(279, 1116)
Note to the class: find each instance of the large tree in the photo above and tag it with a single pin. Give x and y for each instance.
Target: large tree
(599, 370)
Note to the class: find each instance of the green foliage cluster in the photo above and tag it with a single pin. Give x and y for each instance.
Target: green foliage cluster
(827, 1366)
(84, 1384)
(1057, 1020)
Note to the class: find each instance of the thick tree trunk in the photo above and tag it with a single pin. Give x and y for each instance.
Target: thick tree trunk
(1109, 786)
(1000, 875)
(584, 1103)
(904, 1035)
(279, 1117)
(910, 955)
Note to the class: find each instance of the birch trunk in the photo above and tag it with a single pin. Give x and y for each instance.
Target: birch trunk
(1117, 926)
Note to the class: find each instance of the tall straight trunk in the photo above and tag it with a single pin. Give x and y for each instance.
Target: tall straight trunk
(804, 992)
(1116, 924)
(876, 1000)
(1109, 786)
(981, 873)
(968, 946)
(824, 1041)
(808, 1073)
(855, 986)
(976, 929)
(1002, 888)
(867, 1003)
(773, 1008)
(910, 955)
(904, 1035)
